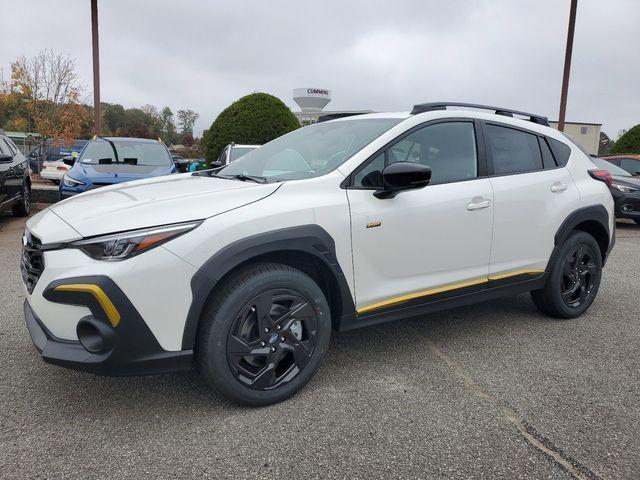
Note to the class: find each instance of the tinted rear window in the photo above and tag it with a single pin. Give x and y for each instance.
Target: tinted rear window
(513, 151)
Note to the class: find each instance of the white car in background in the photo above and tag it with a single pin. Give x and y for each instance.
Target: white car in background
(246, 269)
(233, 152)
(54, 170)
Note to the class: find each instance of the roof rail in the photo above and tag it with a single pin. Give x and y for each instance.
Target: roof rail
(428, 107)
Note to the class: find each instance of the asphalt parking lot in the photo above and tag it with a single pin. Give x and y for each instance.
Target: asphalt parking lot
(490, 391)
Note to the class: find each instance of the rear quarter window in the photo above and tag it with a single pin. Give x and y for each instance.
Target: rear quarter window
(561, 151)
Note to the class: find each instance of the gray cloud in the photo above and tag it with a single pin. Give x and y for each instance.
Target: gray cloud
(373, 54)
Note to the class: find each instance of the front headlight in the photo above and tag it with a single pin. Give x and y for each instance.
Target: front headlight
(120, 246)
(624, 188)
(71, 182)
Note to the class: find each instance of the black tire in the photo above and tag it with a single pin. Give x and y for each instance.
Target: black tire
(223, 335)
(23, 208)
(568, 291)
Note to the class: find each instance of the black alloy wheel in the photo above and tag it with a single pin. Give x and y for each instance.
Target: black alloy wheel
(272, 339)
(579, 273)
(263, 334)
(572, 279)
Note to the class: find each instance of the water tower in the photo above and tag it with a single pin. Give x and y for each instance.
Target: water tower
(311, 100)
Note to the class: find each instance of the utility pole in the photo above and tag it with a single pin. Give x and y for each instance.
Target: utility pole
(97, 118)
(567, 64)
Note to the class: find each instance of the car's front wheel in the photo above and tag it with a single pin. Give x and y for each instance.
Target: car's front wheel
(264, 335)
(574, 278)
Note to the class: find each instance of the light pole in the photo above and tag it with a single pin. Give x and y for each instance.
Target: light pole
(97, 118)
(567, 65)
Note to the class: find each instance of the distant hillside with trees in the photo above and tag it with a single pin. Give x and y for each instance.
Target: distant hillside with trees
(43, 96)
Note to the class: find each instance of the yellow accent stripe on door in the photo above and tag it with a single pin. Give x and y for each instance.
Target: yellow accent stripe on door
(107, 305)
(423, 293)
(445, 288)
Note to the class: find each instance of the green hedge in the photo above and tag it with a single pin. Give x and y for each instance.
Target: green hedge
(629, 142)
(254, 119)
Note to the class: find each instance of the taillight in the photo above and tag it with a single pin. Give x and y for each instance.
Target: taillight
(62, 167)
(602, 175)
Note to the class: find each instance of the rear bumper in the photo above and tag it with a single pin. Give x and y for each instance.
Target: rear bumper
(52, 174)
(132, 351)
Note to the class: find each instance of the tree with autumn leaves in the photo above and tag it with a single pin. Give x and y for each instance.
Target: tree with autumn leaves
(43, 95)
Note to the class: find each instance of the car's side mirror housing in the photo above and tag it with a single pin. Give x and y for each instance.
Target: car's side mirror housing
(5, 158)
(401, 176)
(69, 160)
(216, 164)
(637, 174)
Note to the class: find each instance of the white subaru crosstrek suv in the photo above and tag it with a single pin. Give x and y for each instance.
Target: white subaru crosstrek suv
(246, 269)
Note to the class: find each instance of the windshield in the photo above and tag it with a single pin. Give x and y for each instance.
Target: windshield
(129, 151)
(237, 152)
(309, 151)
(610, 167)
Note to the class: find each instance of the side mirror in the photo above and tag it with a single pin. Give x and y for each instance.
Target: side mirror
(637, 174)
(69, 160)
(401, 176)
(5, 158)
(215, 164)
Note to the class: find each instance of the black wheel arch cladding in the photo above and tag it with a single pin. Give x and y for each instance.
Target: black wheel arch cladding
(593, 220)
(308, 239)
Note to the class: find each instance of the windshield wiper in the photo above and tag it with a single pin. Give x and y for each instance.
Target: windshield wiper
(244, 177)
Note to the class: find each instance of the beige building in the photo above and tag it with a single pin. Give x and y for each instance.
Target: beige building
(586, 134)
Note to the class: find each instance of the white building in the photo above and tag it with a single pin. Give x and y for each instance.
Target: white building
(586, 134)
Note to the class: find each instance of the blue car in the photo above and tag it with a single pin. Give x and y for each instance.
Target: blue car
(108, 160)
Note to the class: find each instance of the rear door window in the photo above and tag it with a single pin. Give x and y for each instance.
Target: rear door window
(512, 151)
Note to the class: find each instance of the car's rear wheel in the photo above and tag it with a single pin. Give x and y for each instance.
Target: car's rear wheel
(264, 335)
(573, 280)
(23, 208)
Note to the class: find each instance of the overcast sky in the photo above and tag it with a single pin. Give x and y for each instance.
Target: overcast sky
(378, 55)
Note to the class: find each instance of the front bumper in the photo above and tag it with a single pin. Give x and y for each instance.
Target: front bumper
(627, 205)
(129, 347)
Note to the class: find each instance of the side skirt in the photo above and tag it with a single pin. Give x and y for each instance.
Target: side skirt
(492, 290)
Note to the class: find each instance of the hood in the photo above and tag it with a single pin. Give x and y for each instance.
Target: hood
(156, 201)
(627, 181)
(117, 172)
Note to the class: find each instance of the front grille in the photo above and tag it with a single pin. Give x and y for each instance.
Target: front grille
(32, 261)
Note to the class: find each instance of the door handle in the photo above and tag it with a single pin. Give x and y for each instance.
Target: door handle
(478, 204)
(558, 187)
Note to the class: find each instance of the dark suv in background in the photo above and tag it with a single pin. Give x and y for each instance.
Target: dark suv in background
(15, 185)
(630, 163)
